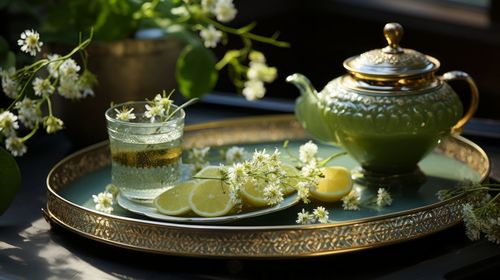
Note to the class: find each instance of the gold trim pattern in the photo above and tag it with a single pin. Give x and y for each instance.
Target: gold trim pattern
(249, 241)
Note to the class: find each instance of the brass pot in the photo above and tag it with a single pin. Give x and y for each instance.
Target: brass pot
(127, 70)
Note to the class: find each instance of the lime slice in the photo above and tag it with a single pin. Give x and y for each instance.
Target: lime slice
(211, 171)
(336, 184)
(211, 198)
(175, 201)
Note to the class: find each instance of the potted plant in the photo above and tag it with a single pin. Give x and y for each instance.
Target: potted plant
(141, 47)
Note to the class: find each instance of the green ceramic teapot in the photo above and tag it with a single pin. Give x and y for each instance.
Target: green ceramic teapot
(389, 110)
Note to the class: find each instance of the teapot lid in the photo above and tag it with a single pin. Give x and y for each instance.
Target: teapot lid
(392, 61)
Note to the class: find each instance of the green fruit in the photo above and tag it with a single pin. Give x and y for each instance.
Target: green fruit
(10, 179)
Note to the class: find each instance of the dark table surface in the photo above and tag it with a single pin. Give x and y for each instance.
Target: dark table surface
(31, 249)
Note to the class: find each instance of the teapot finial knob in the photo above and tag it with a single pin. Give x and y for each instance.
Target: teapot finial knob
(393, 32)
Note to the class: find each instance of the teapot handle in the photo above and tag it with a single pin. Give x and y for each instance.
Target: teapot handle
(462, 76)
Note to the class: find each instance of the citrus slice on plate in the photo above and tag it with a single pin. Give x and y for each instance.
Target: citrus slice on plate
(211, 171)
(336, 184)
(211, 198)
(252, 193)
(175, 201)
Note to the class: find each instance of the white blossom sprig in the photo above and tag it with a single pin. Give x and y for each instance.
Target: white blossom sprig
(247, 68)
(104, 201)
(308, 155)
(319, 214)
(266, 169)
(384, 198)
(157, 110)
(63, 77)
(351, 201)
(481, 215)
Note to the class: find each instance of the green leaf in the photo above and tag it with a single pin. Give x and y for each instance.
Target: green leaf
(195, 71)
(10, 179)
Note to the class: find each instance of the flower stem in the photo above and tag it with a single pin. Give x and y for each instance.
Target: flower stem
(328, 159)
(243, 32)
(32, 132)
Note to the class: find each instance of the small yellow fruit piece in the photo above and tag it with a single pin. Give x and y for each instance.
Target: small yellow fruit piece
(336, 184)
(253, 194)
(211, 171)
(175, 201)
(211, 198)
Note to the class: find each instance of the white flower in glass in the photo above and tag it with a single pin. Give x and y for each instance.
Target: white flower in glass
(307, 152)
(321, 214)
(30, 42)
(254, 89)
(8, 124)
(28, 111)
(103, 202)
(383, 198)
(211, 36)
(125, 114)
(42, 87)
(163, 101)
(15, 145)
(10, 86)
(154, 111)
(224, 10)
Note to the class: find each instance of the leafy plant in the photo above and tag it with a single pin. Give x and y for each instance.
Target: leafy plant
(199, 24)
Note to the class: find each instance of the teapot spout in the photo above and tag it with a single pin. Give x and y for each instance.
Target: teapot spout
(303, 84)
(310, 111)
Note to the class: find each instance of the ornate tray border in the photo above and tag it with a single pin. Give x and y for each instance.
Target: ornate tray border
(249, 241)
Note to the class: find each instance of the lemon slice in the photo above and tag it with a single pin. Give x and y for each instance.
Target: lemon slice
(253, 194)
(336, 184)
(211, 198)
(175, 201)
(211, 171)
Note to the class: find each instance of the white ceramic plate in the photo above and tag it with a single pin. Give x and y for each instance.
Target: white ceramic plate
(147, 209)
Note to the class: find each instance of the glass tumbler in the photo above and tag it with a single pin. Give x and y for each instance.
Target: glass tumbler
(145, 155)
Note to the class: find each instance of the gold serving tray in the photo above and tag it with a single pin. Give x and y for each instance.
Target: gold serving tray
(243, 241)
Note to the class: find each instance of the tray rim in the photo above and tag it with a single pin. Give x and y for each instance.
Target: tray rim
(248, 229)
